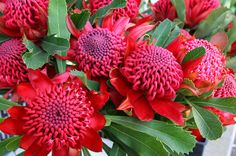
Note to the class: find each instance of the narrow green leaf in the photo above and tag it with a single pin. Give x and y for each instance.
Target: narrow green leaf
(231, 35)
(5, 104)
(55, 45)
(105, 10)
(3, 144)
(180, 8)
(20, 154)
(4, 38)
(90, 84)
(61, 65)
(81, 19)
(79, 4)
(194, 54)
(224, 104)
(106, 148)
(117, 151)
(174, 33)
(173, 136)
(218, 19)
(85, 152)
(13, 144)
(208, 123)
(57, 12)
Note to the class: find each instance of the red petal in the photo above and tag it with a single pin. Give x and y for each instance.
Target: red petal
(98, 100)
(168, 109)
(63, 151)
(71, 27)
(25, 91)
(120, 25)
(39, 80)
(36, 150)
(119, 82)
(125, 105)
(92, 140)
(98, 121)
(16, 112)
(12, 127)
(26, 141)
(108, 22)
(73, 152)
(61, 78)
(189, 66)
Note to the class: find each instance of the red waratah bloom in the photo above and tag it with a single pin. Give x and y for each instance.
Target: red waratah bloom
(148, 80)
(98, 50)
(61, 116)
(198, 10)
(12, 69)
(27, 17)
(163, 9)
(228, 89)
(131, 9)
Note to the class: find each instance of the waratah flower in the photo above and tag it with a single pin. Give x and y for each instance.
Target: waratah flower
(131, 9)
(198, 10)
(149, 78)
(61, 116)
(27, 17)
(12, 69)
(163, 9)
(98, 50)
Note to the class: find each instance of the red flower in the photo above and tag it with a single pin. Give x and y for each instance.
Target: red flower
(198, 10)
(61, 116)
(163, 9)
(12, 69)
(98, 50)
(131, 9)
(27, 17)
(233, 49)
(148, 80)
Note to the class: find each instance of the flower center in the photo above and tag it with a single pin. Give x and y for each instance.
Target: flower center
(154, 70)
(98, 51)
(59, 115)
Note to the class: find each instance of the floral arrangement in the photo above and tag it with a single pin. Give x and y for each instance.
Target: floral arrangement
(154, 78)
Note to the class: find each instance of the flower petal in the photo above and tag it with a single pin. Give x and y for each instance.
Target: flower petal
(36, 150)
(25, 91)
(168, 109)
(63, 151)
(12, 127)
(16, 112)
(98, 121)
(92, 140)
(120, 25)
(26, 141)
(98, 100)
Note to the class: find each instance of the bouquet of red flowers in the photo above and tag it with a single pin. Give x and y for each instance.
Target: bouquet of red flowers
(152, 78)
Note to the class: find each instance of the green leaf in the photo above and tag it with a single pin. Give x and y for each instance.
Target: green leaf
(106, 148)
(90, 84)
(55, 45)
(105, 10)
(85, 152)
(4, 38)
(117, 151)
(5, 104)
(173, 136)
(13, 144)
(218, 19)
(20, 154)
(1, 120)
(134, 139)
(36, 57)
(61, 65)
(180, 8)
(224, 104)
(194, 54)
(81, 19)
(231, 35)
(4, 143)
(166, 32)
(208, 123)
(57, 12)
(231, 63)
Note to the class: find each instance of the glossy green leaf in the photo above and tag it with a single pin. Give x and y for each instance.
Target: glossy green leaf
(4, 143)
(105, 10)
(173, 136)
(194, 54)
(55, 45)
(4, 38)
(81, 19)
(117, 151)
(36, 57)
(180, 8)
(208, 123)
(90, 84)
(13, 144)
(5, 104)
(57, 12)
(106, 148)
(224, 104)
(218, 19)
(85, 152)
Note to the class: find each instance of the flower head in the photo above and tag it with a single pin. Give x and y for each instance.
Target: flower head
(27, 17)
(198, 10)
(131, 9)
(163, 9)
(61, 115)
(12, 69)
